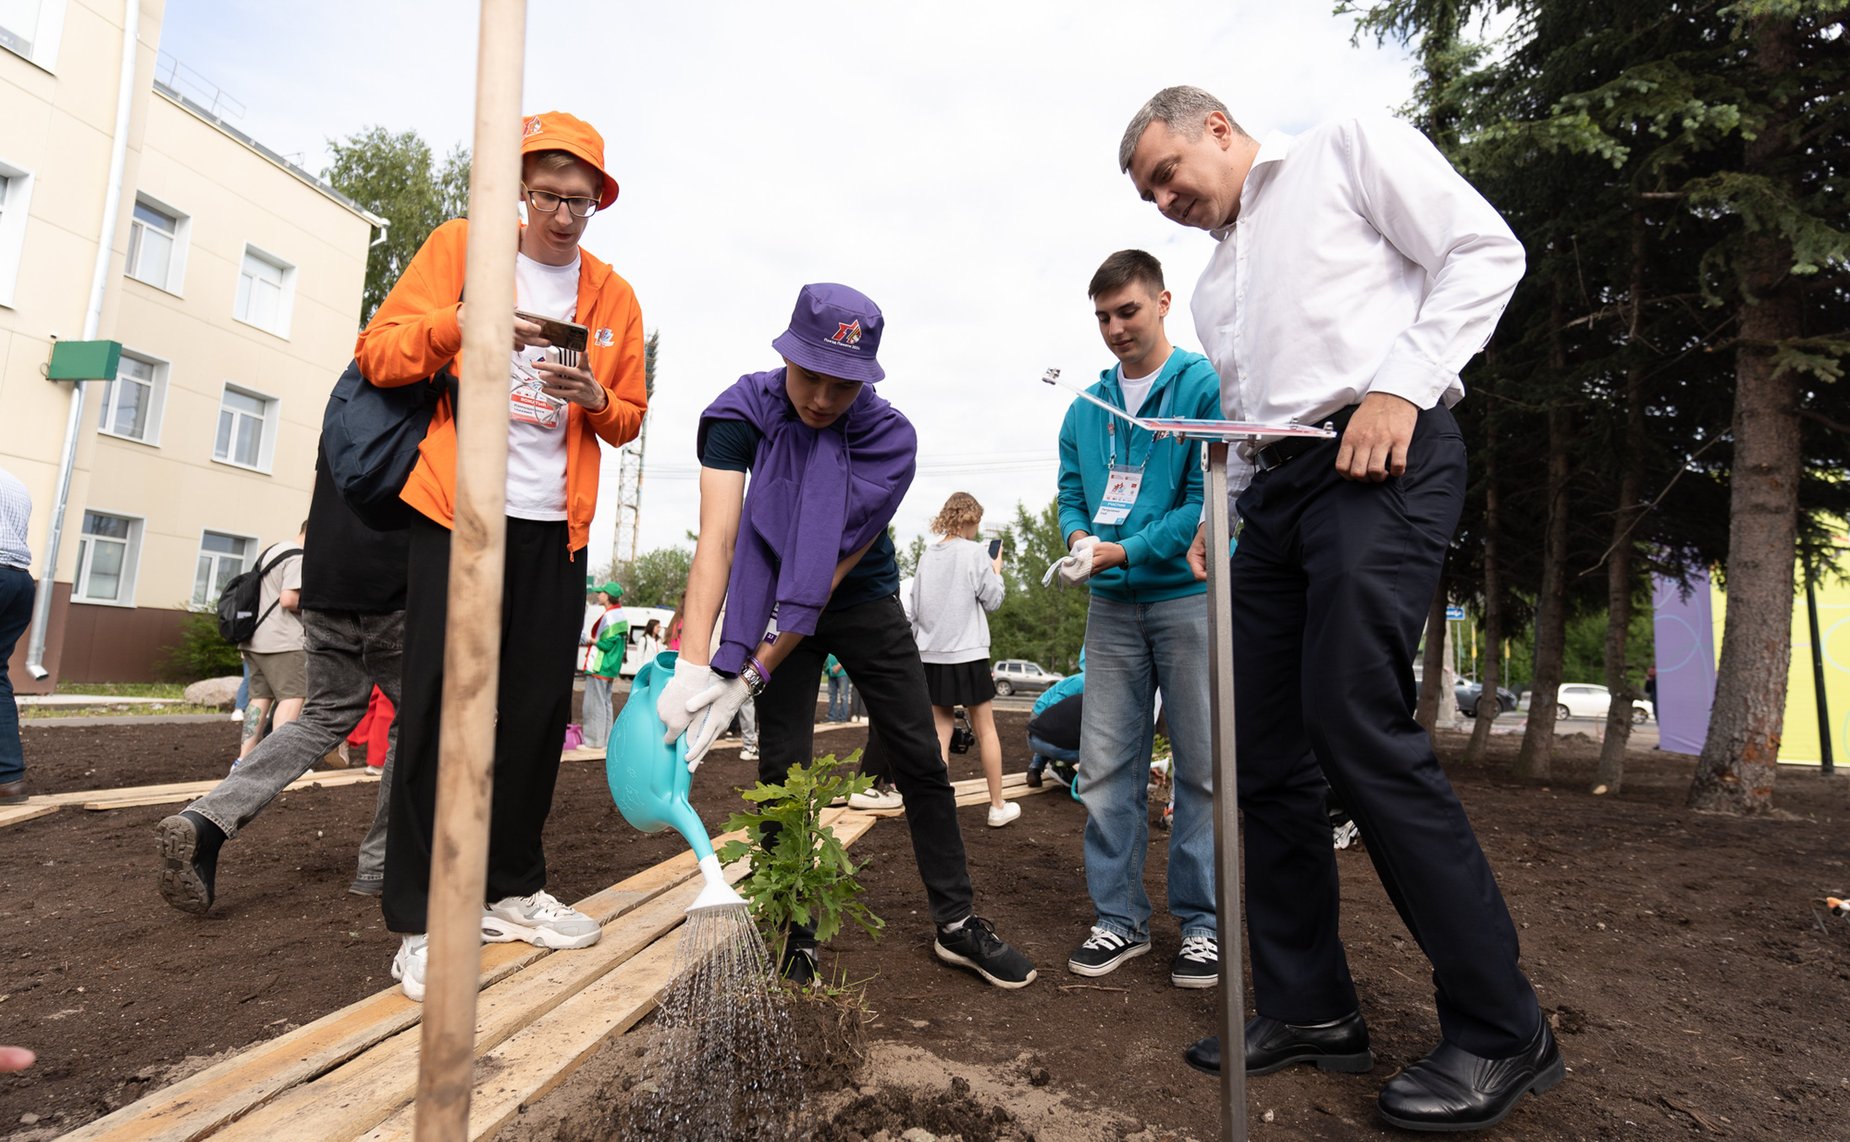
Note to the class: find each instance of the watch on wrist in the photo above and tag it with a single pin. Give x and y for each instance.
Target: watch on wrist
(755, 676)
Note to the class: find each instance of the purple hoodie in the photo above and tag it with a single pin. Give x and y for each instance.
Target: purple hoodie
(815, 496)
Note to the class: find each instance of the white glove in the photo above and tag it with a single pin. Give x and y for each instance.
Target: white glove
(1076, 568)
(690, 678)
(712, 709)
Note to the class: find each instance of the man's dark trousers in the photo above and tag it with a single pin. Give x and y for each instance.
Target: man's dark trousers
(874, 642)
(1331, 582)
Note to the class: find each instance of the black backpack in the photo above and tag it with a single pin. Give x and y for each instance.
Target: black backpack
(370, 436)
(237, 603)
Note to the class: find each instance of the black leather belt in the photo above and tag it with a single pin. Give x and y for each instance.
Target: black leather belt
(1291, 447)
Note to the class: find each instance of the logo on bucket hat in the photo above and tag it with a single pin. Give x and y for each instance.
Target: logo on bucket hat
(834, 331)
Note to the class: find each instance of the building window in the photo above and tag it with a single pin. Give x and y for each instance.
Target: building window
(15, 194)
(220, 557)
(131, 404)
(32, 28)
(244, 435)
(156, 244)
(107, 551)
(266, 291)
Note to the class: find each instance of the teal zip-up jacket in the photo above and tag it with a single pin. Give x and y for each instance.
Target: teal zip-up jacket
(1162, 524)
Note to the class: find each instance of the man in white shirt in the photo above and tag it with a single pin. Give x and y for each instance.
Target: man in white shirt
(1356, 273)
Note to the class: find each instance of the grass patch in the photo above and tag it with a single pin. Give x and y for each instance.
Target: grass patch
(174, 690)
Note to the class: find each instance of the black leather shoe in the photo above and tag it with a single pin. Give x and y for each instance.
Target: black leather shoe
(1452, 1089)
(189, 847)
(1339, 1045)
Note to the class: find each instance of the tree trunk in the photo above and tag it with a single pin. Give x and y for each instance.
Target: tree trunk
(1611, 775)
(1536, 758)
(1735, 773)
(1432, 663)
(1491, 672)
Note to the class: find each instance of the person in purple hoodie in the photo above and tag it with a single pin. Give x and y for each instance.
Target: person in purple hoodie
(799, 557)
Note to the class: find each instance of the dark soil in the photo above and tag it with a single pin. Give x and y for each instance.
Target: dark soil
(1693, 985)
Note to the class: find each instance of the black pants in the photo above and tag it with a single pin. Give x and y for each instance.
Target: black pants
(1331, 583)
(874, 641)
(541, 606)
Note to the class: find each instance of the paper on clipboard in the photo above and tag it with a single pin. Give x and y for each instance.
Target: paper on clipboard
(1190, 428)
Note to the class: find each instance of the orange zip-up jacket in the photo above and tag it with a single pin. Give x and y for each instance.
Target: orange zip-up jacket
(415, 333)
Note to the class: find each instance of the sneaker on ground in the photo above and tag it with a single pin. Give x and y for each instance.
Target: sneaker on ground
(1036, 769)
(878, 797)
(1000, 815)
(1103, 951)
(976, 946)
(540, 920)
(748, 755)
(409, 964)
(1197, 964)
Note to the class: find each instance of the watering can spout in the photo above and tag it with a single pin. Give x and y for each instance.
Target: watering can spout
(717, 893)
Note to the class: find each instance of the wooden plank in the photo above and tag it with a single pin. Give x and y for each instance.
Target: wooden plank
(189, 790)
(194, 1106)
(536, 1059)
(28, 811)
(979, 793)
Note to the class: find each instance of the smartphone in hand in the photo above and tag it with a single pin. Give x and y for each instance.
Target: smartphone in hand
(562, 334)
(995, 548)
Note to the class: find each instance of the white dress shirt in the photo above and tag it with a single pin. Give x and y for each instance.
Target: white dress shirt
(1360, 262)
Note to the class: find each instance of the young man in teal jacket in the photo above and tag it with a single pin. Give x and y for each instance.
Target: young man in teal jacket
(1129, 507)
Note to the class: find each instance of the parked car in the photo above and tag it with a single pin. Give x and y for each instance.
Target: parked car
(1588, 700)
(1019, 676)
(1470, 697)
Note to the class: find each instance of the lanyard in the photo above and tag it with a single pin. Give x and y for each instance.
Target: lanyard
(1111, 431)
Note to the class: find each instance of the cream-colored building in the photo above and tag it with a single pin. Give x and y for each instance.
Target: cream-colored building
(233, 282)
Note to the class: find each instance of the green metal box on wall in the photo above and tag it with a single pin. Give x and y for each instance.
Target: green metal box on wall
(84, 360)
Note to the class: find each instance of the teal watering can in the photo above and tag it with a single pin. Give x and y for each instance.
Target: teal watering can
(649, 780)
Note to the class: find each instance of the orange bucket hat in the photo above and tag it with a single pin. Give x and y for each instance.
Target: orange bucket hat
(557, 131)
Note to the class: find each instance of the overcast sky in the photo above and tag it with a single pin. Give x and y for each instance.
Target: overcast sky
(954, 161)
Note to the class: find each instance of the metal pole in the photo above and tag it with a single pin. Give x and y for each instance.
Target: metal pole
(472, 648)
(1827, 764)
(1228, 918)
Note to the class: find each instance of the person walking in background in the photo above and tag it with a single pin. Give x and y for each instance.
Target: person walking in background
(275, 655)
(956, 585)
(1355, 273)
(838, 689)
(1129, 505)
(649, 642)
(17, 591)
(560, 405)
(609, 642)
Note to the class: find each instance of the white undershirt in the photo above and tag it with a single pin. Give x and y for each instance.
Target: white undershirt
(536, 454)
(1137, 389)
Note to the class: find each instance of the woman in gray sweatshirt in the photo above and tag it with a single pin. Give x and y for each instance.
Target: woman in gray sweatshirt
(957, 584)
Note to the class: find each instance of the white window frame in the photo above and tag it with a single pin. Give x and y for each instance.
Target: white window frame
(15, 207)
(285, 302)
(107, 392)
(44, 38)
(176, 260)
(266, 445)
(251, 551)
(86, 551)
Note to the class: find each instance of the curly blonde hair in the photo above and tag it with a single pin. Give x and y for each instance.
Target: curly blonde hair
(958, 512)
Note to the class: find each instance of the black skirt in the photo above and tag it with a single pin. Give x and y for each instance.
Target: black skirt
(959, 683)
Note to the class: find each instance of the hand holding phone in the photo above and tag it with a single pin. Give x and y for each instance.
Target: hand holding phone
(995, 548)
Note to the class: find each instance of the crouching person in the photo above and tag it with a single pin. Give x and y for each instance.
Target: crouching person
(801, 470)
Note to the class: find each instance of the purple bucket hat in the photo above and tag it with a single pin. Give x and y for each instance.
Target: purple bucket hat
(834, 331)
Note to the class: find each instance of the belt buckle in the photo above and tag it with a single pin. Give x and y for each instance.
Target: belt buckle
(1267, 458)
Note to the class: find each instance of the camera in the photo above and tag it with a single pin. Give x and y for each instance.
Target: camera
(962, 736)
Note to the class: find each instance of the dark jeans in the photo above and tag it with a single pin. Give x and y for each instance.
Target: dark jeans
(1331, 583)
(541, 607)
(874, 641)
(348, 653)
(16, 593)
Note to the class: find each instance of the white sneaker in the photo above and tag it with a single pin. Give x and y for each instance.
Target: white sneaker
(409, 964)
(540, 920)
(1003, 814)
(877, 798)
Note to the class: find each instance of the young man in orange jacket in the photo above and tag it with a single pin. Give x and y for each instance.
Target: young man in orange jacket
(559, 405)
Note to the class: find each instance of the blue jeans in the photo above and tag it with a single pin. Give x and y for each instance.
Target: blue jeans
(16, 592)
(1132, 650)
(838, 698)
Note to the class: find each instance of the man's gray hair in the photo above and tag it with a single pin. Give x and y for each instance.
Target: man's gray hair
(1184, 109)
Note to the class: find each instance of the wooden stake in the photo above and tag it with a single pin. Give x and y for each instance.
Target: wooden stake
(472, 650)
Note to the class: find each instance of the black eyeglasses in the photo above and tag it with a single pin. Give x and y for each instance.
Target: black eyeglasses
(546, 202)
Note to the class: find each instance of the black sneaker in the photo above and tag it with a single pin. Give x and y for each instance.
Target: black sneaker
(189, 860)
(1103, 951)
(1197, 964)
(1035, 770)
(976, 946)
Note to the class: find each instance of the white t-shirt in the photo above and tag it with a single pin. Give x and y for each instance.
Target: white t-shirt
(536, 422)
(1137, 389)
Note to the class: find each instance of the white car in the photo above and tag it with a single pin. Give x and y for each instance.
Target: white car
(1587, 700)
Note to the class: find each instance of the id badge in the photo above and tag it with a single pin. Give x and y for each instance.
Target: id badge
(1121, 487)
(527, 400)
